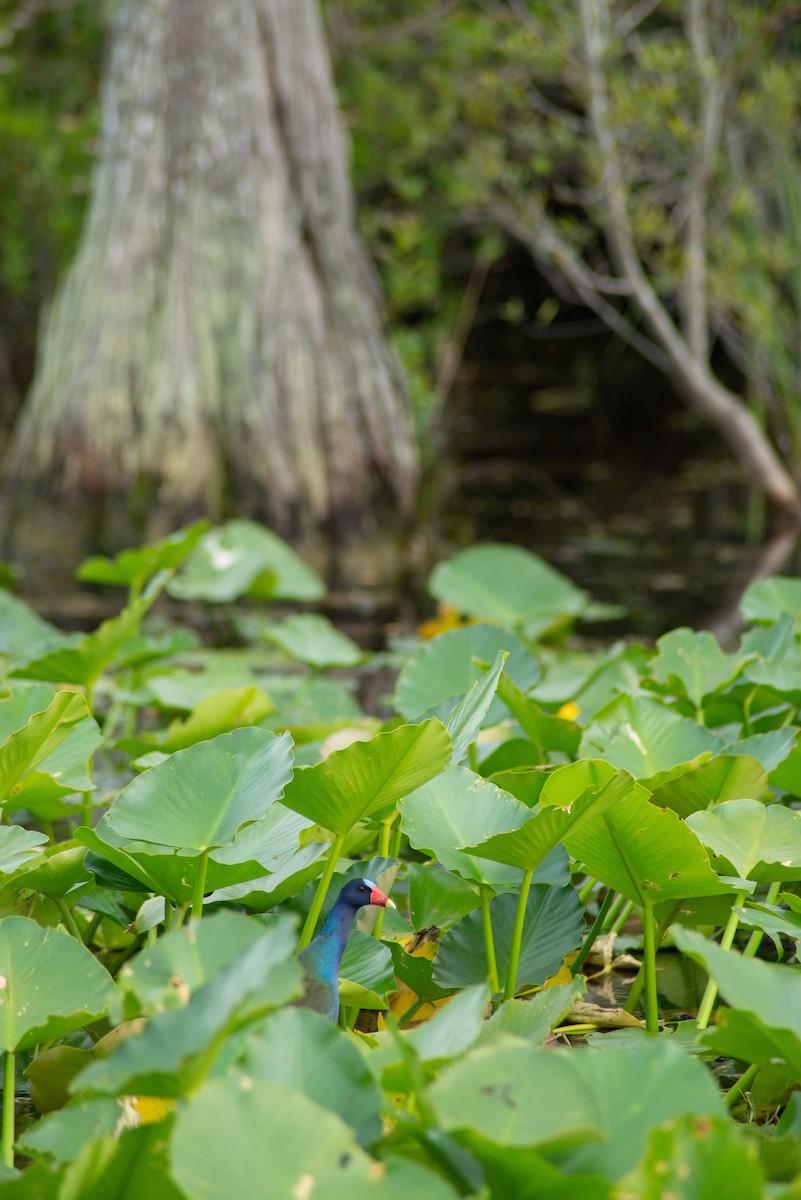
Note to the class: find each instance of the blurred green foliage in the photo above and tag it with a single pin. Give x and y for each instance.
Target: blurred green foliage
(50, 63)
(467, 120)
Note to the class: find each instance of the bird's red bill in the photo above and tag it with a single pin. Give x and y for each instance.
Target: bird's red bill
(378, 897)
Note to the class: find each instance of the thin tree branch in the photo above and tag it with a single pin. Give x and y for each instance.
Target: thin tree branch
(694, 294)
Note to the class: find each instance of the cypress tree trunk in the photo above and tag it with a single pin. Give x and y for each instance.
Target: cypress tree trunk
(218, 342)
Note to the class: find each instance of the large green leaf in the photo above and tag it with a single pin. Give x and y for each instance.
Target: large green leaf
(18, 846)
(647, 739)
(367, 779)
(647, 853)
(241, 558)
(571, 797)
(438, 897)
(302, 1051)
(311, 638)
(507, 584)
(122, 1168)
(545, 731)
(177, 1047)
(459, 808)
(264, 892)
(692, 664)
(764, 1021)
(61, 1134)
(131, 568)
(220, 712)
(25, 635)
(49, 984)
(762, 842)
(700, 1158)
(29, 747)
(166, 974)
(767, 600)
(85, 660)
(434, 679)
(517, 1096)
(239, 1132)
(198, 798)
(465, 719)
(724, 777)
(554, 926)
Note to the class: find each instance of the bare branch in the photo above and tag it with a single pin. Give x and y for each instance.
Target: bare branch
(694, 296)
(546, 245)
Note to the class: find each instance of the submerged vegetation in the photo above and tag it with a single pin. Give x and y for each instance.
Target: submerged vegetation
(546, 815)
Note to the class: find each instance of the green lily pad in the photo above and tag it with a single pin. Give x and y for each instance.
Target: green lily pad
(647, 853)
(131, 568)
(458, 808)
(594, 1099)
(692, 663)
(434, 679)
(762, 842)
(200, 797)
(509, 585)
(243, 558)
(554, 926)
(367, 779)
(50, 984)
(311, 638)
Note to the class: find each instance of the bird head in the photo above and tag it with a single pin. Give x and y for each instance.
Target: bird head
(359, 892)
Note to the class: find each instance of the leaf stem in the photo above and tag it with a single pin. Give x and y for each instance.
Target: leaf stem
(711, 989)
(756, 937)
(68, 918)
(742, 1085)
(649, 968)
(200, 884)
(489, 940)
(517, 937)
(383, 850)
(595, 929)
(307, 933)
(9, 1079)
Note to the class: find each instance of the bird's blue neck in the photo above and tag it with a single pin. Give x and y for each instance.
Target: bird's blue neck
(329, 945)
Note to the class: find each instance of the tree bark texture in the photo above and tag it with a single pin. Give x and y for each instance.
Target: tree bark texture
(220, 333)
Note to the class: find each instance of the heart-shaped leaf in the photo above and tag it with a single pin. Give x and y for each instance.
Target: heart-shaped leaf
(241, 558)
(311, 638)
(554, 925)
(200, 797)
(647, 853)
(458, 808)
(571, 797)
(762, 842)
(507, 584)
(367, 779)
(131, 568)
(49, 983)
(444, 669)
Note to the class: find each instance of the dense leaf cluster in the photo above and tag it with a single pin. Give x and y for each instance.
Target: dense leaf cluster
(175, 811)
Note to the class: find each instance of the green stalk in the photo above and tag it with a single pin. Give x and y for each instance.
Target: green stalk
(69, 918)
(517, 937)
(612, 915)
(586, 890)
(9, 1079)
(87, 808)
(489, 940)
(742, 1085)
(756, 937)
(649, 968)
(200, 884)
(307, 933)
(711, 990)
(595, 929)
(622, 917)
(383, 850)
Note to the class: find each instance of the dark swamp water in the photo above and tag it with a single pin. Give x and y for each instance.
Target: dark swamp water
(559, 439)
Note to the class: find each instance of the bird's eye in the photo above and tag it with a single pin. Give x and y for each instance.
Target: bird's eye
(363, 888)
